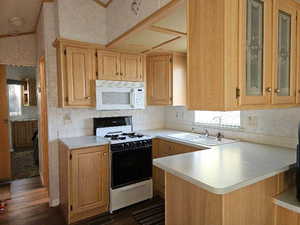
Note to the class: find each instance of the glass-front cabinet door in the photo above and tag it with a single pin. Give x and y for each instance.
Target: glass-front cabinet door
(284, 52)
(255, 49)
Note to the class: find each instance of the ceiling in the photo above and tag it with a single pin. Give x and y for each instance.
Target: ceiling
(103, 3)
(166, 34)
(28, 10)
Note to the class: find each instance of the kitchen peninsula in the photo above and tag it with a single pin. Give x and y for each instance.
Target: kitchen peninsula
(231, 184)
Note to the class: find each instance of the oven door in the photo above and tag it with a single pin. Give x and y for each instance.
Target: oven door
(115, 98)
(131, 166)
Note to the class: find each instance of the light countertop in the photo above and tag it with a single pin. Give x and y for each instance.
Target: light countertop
(288, 200)
(84, 142)
(164, 134)
(225, 168)
(229, 167)
(220, 169)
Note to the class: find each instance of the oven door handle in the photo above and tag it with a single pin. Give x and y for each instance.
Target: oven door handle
(132, 186)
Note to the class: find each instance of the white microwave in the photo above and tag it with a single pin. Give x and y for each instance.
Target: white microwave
(118, 95)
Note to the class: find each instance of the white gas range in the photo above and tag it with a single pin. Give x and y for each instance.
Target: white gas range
(130, 161)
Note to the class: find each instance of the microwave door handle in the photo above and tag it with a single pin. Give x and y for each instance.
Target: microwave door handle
(132, 98)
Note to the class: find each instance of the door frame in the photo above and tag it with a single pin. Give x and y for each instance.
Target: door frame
(5, 159)
(43, 122)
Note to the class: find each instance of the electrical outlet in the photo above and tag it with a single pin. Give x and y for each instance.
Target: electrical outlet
(67, 119)
(252, 121)
(182, 115)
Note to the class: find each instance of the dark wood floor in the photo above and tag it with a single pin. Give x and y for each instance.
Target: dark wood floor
(29, 206)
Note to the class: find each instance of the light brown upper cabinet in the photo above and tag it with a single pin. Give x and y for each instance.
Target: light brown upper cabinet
(108, 65)
(76, 75)
(29, 92)
(212, 79)
(248, 60)
(298, 59)
(80, 74)
(132, 67)
(255, 50)
(284, 63)
(117, 66)
(166, 79)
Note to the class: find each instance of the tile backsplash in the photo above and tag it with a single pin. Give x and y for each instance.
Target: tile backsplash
(256, 125)
(79, 122)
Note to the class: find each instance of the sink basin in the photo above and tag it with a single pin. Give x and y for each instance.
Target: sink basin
(184, 136)
(201, 140)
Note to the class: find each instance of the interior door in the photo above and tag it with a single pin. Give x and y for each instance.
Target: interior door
(89, 179)
(255, 52)
(159, 80)
(109, 65)
(284, 67)
(131, 67)
(80, 75)
(5, 168)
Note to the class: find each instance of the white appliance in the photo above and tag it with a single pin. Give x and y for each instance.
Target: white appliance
(130, 161)
(118, 95)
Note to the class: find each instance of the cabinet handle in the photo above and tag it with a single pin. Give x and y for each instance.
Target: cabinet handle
(117, 73)
(88, 97)
(277, 90)
(269, 89)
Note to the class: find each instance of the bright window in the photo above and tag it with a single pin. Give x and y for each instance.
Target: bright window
(15, 101)
(219, 119)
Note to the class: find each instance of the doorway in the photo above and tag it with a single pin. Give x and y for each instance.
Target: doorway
(23, 123)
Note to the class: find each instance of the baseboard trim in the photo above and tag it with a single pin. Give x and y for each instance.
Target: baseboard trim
(54, 202)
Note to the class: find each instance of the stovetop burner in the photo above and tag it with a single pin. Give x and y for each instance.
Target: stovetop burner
(127, 137)
(133, 135)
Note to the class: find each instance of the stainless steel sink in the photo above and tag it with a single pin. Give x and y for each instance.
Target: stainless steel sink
(201, 139)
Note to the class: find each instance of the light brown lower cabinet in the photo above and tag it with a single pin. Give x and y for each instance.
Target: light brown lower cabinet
(189, 204)
(162, 148)
(286, 217)
(83, 179)
(22, 133)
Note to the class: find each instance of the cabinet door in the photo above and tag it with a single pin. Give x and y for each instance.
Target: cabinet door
(89, 179)
(255, 51)
(108, 65)
(159, 80)
(80, 71)
(131, 67)
(165, 148)
(284, 52)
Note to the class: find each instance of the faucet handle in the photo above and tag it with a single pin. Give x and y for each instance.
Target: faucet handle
(220, 136)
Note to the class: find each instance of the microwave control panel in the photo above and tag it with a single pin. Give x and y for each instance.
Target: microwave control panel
(139, 98)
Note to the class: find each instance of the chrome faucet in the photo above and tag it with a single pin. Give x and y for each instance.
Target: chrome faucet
(206, 133)
(220, 136)
(218, 118)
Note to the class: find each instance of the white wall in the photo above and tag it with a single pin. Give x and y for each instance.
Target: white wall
(120, 18)
(82, 20)
(275, 127)
(19, 50)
